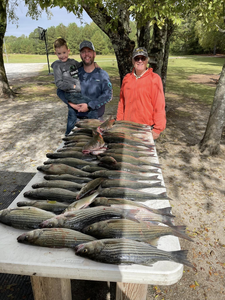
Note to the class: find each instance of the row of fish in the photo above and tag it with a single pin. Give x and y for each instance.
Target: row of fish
(92, 197)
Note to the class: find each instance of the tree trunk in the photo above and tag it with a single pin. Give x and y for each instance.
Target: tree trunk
(5, 90)
(210, 144)
(119, 35)
(160, 49)
(170, 30)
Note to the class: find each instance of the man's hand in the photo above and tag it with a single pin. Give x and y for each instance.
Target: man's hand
(74, 106)
(155, 135)
(83, 107)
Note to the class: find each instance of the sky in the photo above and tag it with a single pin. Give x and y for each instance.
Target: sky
(26, 25)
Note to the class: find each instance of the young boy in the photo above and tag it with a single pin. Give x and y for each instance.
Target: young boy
(66, 78)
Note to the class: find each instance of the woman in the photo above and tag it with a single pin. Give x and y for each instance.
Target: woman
(141, 96)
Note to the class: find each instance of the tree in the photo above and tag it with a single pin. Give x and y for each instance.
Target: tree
(5, 90)
(210, 144)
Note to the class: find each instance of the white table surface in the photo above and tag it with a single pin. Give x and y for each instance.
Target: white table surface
(17, 258)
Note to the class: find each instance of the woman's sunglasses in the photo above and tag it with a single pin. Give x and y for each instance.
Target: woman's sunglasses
(142, 58)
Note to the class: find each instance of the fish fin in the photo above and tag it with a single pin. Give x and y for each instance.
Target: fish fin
(164, 194)
(179, 231)
(165, 211)
(180, 257)
(167, 220)
(131, 213)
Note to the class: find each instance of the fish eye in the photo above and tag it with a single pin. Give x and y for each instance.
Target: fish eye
(26, 237)
(85, 250)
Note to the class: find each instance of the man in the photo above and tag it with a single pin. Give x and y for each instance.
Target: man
(95, 84)
(141, 96)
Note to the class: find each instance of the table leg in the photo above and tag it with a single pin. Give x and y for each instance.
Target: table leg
(131, 291)
(46, 288)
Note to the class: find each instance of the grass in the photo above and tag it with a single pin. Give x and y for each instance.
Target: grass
(179, 70)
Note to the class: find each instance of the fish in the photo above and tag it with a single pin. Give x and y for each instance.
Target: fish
(95, 144)
(89, 187)
(57, 194)
(78, 149)
(129, 128)
(49, 205)
(129, 184)
(128, 123)
(82, 203)
(110, 163)
(92, 169)
(24, 217)
(106, 125)
(113, 174)
(74, 154)
(75, 144)
(75, 137)
(131, 194)
(125, 251)
(125, 140)
(58, 169)
(70, 161)
(86, 131)
(150, 148)
(79, 219)
(68, 177)
(162, 215)
(63, 184)
(54, 238)
(126, 151)
(142, 232)
(131, 159)
(88, 123)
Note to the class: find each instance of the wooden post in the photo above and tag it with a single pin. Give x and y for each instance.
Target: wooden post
(131, 291)
(46, 288)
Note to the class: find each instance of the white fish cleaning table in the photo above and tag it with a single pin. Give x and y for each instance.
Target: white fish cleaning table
(51, 269)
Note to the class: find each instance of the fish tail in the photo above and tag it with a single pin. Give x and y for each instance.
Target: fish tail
(168, 220)
(166, 211)
(180, 257)
(180, 231)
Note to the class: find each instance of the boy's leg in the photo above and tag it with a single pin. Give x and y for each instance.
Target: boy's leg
(92, 114)
(77, 98)
(72, 114)
(71, 119)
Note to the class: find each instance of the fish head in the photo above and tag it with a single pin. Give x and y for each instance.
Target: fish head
(90, 229)
(50, 223)
(29, 237)
(90, 249)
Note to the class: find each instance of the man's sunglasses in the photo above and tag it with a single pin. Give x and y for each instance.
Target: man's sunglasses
(142, 58)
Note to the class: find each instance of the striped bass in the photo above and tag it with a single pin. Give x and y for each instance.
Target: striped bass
(63, 184)
(57, 194)
(125, 251)
(131, 194)
(57, 169)
(54, 238)
(24, 217)
(70, 161)
(79, 219)
(142, 232)
(49, 205)
(68, 177)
